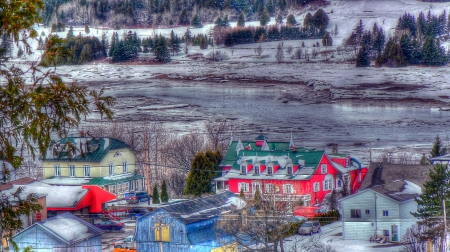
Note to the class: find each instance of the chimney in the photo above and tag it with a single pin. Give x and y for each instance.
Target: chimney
(335, 149)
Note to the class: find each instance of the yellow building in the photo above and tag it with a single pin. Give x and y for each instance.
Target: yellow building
(106, 162)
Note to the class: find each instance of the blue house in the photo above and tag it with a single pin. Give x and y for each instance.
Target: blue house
(187, 226)
(64, 232)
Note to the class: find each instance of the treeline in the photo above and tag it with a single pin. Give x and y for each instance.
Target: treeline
(417, 41)
(73, 50)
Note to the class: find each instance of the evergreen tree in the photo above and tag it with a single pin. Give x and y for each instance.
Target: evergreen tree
(114, 43)
(175, 46)
(359, 31)
(437, 149)
(241, 20)
(196, 22)
(336, 31)
(161, 50)
(257, 200)
(321, 20)
(424, 160)
(40, 44)
(225, 22)
(241, 194)
(70, 33)
(290, 20)
(308, 21)
(379, 40)
(327, 40)
(362, 59)
(20, 52)
(430, 201)
(155, 195)
(432, 53)
(86, 29)
(164, 194)
(280, 55)
(229, 41)
(265, 18)
(203, 170)
(279, 19)
(105, 45)
(184, 17)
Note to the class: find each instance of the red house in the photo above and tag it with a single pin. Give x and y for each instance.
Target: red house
(283, 171)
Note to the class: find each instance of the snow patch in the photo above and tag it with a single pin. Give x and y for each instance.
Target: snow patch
(412, 188)
(68, 229)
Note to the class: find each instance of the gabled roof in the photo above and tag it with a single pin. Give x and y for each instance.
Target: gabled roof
(68, 228)
(104, 146)
(399, 191)
(203, 208)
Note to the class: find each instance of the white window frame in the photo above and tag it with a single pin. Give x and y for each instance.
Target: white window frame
(112, 189)
(327, 184)
(125, 167)
(257, 170)
(270, 170)
(288, 189)
(316, 187)
(86, 171)
(119, 188)
(72, 172)
(57, 170)
(256, 186)
(126, 186)
(244, 186)
(385, 213)
(111, 169)
(243, 169)
(269, 188)
(324, 168)
(356, 215)
(290, 170)
(306, 200)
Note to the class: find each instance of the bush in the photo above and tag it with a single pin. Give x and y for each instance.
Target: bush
(217, 56)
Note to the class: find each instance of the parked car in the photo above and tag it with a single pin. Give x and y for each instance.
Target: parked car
(129, 240)
(136, 197)
(110, 225)
(309, 227)
(138, 212)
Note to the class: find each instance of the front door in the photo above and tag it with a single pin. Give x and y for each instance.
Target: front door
(394, 233)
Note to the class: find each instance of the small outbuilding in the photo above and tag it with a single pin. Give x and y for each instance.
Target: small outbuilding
(64, 232)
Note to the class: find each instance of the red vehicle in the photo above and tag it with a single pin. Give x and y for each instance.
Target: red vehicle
(110, 225)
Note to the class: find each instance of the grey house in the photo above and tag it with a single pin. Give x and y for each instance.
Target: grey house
(62, 233)
(384, 210)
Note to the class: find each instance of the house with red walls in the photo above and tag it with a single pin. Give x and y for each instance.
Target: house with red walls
(286, 172)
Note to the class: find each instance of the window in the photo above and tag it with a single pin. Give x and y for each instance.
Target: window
(72, 170)
(270, 170)
(288, 189)
(385, 213)
(316, 187)
(323, 169)
(112, 189)
(289, 170)
(339, 183)
(125, 186)
(132, 185)
(307, 200)
(243, 187)
(57, 170)
(87, 170)
(256, 186)
(327, 184)
(355, 213)
(367, 211)
(270, 188)
(244, 169)
(256, 170)
(111, 169)
(119, 188)
(125, 167)
(162, 230)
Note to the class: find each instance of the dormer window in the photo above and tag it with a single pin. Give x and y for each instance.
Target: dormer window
(257, 170)
(289, 170)
(270, 170)
(243, 169)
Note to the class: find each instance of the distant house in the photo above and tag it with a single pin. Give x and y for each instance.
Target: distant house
(82, 201)
(64, 232)
(106, 162)
(384, 204)
(187, 226)
(286, 172)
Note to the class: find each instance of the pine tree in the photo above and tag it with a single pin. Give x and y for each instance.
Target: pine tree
(184, 18)
(424, 160)
(290, 20)
(257, 200)
(308, 21)
(155, 195)
(432, 53)
(279, 56)
(362, 59)
(70, 33)
(225, 22)
(196, 22)
(430, 201)
(265, 18)
(161, 50)
(174, 42)
(20, 52)
(229, 41)
(241, 20)
(86, 29)
(203, 169)
(279, 19)
(164, 194)
(114, 43)
(327, 40)
(241, 194)
(437, 149)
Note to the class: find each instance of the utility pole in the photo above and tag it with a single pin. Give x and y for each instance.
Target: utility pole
(147, 166)
(444, 238)
(160, 233)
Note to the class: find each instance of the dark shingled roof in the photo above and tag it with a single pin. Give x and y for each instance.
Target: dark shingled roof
(418, 174)
(21, 181)
(200, 209)
(394, 190)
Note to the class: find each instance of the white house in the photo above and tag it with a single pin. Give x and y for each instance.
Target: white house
(384, 210)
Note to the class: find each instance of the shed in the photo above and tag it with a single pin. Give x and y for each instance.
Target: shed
(187, 226)
(65, 232)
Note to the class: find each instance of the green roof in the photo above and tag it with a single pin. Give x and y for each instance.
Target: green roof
(116, 179)
(104, 146)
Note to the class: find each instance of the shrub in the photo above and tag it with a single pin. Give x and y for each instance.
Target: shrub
(217, 56)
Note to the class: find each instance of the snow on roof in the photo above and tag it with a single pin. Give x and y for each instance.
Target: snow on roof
(69, 229)
(120, 176)
(66, 181)
(411, 188)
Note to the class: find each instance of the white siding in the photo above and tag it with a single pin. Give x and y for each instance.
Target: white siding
(406, 218)
(363, 228)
